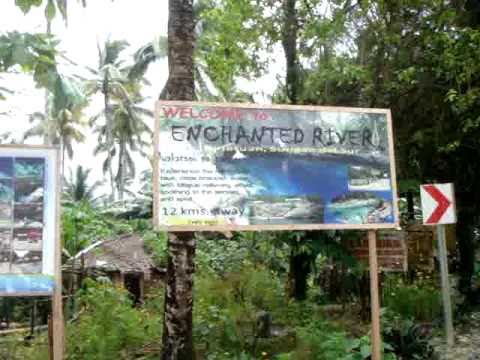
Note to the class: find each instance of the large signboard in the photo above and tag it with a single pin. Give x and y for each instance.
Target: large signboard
(249, 167)
(28, 220)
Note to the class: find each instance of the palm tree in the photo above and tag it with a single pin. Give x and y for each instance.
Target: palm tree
(177, 329)
(206, 88)
(61, 125)
(77, 187)
(146, 55)
(112, 82)
(127, 131)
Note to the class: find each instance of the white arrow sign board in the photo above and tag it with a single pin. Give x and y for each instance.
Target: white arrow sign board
(438, 204)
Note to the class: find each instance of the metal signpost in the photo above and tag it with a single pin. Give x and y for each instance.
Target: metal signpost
(234, 167)
(30, 250)
(438, 208)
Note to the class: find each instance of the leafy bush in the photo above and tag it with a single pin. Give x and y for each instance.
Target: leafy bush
(156, 246)
(227, 308)
(83, 224)
(319, 340)
(420, 301)
(109, 327)
(409, 340)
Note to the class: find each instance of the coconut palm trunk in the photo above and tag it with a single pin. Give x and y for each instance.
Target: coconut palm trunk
(47, 135)
(177, 333)
(121, 170)
(109, 124)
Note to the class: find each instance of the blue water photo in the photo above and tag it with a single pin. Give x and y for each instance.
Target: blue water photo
(307, 189)
(26, 284)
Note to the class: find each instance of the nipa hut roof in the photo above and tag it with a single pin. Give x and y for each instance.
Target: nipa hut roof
(125, 254)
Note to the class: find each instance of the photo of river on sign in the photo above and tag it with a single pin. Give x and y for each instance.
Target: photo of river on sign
(239, 166)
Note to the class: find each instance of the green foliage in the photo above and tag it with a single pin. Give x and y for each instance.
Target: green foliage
(83, 225)
(123, 129)
(318, 339)
(51, 7)
(361, 349)
(34, 53)
(77, 188)
(109, 328)
(227, 47)
(26, 5)
(146, 55)
(220, 256)
(420, 301)
(409, 340)
(226, 309)
(156, 245)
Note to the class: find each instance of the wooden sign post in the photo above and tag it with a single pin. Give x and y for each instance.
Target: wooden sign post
(438, 208)
(30, 245)
(58, 325)
(248, 167)
(375, 302)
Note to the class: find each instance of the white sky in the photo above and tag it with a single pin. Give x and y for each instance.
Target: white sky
(138, 22)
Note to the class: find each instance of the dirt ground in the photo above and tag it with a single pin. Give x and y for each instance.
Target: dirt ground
(467, 341)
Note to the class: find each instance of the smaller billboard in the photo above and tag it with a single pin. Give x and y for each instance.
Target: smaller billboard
(28, 220)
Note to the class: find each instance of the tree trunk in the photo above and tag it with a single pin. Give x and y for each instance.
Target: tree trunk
(181, 44)
(121, 171)
(299, 269)
(177, 330)
(47, 135)
(299, 261)
(62, 151)
(109, 135)
(289, 43)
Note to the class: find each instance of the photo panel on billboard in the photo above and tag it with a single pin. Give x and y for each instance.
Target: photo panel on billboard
(249, 167)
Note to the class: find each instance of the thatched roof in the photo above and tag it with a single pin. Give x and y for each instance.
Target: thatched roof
(124, 254)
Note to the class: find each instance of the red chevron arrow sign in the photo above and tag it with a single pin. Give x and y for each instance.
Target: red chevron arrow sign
(438, 204)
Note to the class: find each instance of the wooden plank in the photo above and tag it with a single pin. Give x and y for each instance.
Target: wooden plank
(57, 308)
(31, 147)
(22, 330)
(447, 304)
(393, 172)
(375, 302)
(50, 339)
(26, 294)
(221, 228)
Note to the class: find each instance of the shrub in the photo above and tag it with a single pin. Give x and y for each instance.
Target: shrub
(410, 340)
(420, 301)
(109, 327)
(319, 340)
